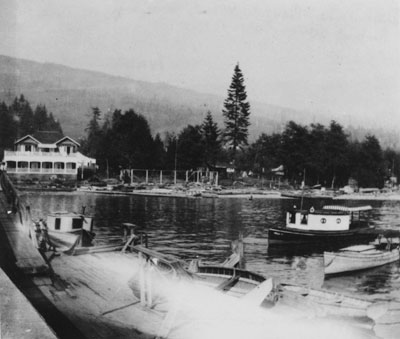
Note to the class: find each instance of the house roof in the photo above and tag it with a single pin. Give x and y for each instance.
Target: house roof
(27, 137)
(47, 138)
(67, 138)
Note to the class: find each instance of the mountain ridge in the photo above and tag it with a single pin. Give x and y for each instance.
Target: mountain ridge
(69, 93)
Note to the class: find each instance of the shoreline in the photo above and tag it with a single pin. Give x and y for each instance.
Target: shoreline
(250, 193)
(368, 196)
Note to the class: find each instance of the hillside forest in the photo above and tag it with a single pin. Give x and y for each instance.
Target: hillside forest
(124, 140)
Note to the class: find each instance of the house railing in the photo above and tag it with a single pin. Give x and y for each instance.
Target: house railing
(42, 170)
(38, 153)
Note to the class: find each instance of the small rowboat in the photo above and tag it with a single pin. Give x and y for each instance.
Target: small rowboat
(360, 257)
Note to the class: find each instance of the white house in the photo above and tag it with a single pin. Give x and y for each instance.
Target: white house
(45, 155)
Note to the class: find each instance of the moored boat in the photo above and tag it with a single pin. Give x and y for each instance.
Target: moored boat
(360, 257)
(333, 225)
(249, 286)
(63, 231)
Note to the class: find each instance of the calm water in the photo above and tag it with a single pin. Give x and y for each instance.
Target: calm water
(204, 228)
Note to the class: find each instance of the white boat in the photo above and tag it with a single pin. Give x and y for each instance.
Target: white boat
(64, 231)
(360, 257)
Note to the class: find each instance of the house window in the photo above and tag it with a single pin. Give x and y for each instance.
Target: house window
(11, 164)
(28, 148)
(59, 165)
(57, 224)
(23, 164)
(35, 165)
(71, 165)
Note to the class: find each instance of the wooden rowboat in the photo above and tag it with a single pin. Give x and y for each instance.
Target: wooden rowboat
(360, 257)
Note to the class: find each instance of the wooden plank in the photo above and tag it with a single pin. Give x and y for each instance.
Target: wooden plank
(102, 304)
(18, 318)
(28, 258)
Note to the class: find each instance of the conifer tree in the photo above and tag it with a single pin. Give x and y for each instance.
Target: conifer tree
(212, 143)
(94, 134)
(22, 110)
(40, 118)
(236, 113)
(8, 128)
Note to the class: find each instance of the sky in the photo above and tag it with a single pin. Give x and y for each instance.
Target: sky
(331, 55)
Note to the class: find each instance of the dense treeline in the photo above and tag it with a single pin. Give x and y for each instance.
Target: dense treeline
(19, 119)
(124, 140)
(324, 155)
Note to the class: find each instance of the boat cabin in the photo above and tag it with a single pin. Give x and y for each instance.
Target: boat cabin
(330, 218)
(69, 222)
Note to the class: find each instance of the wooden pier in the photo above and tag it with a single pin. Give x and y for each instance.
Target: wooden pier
(16, 229)
(18, 318)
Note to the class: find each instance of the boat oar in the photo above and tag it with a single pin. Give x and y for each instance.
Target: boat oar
(120, 308)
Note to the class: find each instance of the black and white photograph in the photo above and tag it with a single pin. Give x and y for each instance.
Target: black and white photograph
(186, 169)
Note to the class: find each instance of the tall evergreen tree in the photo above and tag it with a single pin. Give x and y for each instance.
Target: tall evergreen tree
(8, 128)
(132, 139)
(40, 118)
(158, 154)
(190, 152)
(92, 144)
(22, 110)
(212, 143)
(370, 171)
(53, 124)
(296, 150)
(236, 113)
(171, 142)
(265, 153)
(337, 153)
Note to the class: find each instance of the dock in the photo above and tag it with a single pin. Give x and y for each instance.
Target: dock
(15, 225)
(18, 318)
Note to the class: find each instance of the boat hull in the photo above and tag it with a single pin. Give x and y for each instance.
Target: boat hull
(297, 236)
(341, 262)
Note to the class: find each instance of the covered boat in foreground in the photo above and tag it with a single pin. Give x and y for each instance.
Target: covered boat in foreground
(64, 230)
(360, 257)
(333, 225)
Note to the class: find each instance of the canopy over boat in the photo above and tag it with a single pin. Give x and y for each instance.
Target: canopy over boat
(348, 209)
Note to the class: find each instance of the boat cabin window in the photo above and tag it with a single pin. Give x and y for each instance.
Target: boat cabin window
(292, 217)
(57, 224)
(304, 219)
(77, 223)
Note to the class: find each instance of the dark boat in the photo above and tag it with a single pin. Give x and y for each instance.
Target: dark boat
(332, 226)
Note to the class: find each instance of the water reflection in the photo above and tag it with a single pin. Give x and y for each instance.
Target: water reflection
(205, 228)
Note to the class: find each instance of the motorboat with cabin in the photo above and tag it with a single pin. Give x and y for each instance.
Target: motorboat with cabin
(64, 230)
(330, 225)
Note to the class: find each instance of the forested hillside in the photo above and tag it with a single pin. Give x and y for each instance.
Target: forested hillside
(71, 93)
